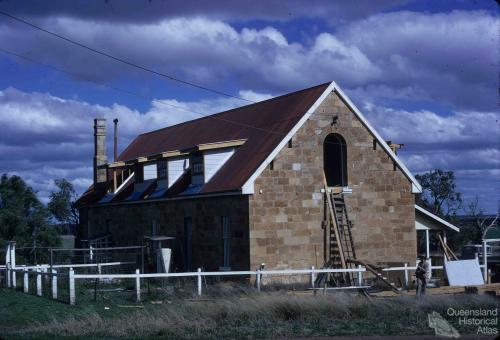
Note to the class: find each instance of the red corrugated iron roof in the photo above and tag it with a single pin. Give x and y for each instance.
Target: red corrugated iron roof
(262, 124)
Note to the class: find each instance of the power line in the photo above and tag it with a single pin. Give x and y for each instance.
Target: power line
(123, 61)
(163, 102)
(157, 100)
(175, 106)
(139, 95)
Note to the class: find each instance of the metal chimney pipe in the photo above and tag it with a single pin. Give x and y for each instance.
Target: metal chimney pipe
(115, 145)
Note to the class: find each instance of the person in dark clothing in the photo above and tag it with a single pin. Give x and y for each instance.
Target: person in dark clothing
(422, 274)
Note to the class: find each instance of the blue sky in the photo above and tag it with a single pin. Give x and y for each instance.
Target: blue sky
(425, 73)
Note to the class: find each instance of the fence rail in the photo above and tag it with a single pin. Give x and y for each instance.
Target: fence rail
(79, 265)
(43, 271)
(40, 271)
(200, 274)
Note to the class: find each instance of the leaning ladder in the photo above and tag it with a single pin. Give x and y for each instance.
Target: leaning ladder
(341, 247)
(344, 226)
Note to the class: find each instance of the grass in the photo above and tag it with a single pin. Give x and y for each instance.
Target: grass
(244, 314)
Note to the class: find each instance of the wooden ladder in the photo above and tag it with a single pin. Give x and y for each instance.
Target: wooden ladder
(341, 246)
(344, 225)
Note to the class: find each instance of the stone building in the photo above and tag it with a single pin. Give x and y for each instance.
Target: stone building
(247, 186)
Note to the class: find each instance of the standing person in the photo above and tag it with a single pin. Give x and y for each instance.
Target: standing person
(421, 274)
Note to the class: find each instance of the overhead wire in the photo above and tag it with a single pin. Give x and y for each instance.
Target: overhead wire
(152, 100)
(121, 60)
(139, 95)
(131, 64)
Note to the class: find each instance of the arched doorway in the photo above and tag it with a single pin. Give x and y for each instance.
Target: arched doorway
(335, 160)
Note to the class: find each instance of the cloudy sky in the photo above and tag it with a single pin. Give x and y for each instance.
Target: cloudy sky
(425, 73)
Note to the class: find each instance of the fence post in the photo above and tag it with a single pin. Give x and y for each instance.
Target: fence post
(258, 280)
(38, 282)
(13, 254)
(26, 281)
(485, 263)
(313, 278)
(71, 279)
(360, 275)
(14, 278)
(7, 274)
(7, 261)
(54, 284)
(99, 271)
(406, 276)
(199, 282)
(138, 284)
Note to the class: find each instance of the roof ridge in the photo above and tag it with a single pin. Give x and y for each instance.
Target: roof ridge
(233, 109)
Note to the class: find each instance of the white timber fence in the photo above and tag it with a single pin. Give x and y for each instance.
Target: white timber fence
(54, 274)
(199, 275)
(38, 273)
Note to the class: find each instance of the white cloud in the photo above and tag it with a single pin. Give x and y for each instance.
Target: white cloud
(467, 143)
(447, 57)
(467, 129)
(198, 48)
(46, 137)
(444, 57)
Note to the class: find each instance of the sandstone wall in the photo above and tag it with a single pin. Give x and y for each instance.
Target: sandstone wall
(285, 219)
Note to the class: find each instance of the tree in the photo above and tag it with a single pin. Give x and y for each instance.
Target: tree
(439, 193)
(62, 203)
(480, 221)
(23, 218)
(472, 225)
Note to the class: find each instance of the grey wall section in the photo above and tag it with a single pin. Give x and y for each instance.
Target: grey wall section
(128, 223)
(285, 218)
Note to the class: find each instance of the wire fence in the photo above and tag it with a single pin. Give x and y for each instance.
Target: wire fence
(77, 284)
(129, 258)
(73, 284)
(121, 275)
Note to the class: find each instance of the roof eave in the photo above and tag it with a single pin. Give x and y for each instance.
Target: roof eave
(437, 218)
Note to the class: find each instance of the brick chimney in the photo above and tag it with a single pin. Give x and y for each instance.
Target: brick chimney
(100, 176)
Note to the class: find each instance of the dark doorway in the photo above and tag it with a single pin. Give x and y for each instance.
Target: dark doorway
(335, 160)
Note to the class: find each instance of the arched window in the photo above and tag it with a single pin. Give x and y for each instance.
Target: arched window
(335, 160)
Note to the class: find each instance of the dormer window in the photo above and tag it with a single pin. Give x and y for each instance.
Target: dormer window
(176, 167)
(150, 171)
